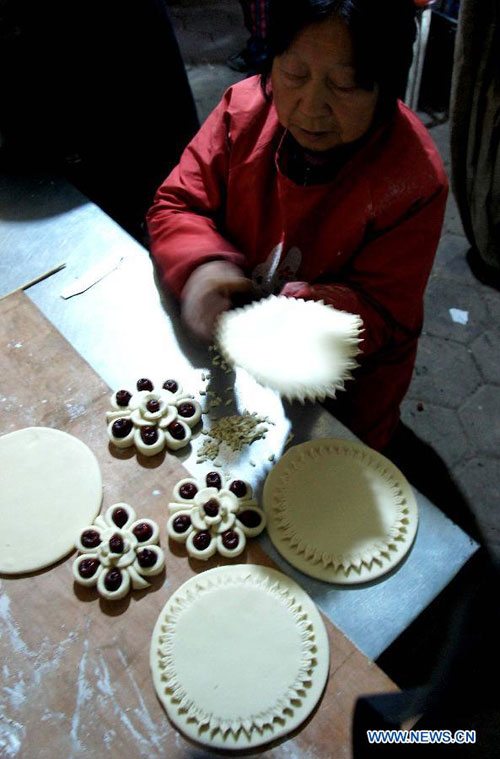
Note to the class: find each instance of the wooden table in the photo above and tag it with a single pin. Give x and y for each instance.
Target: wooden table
(75, 668)
(126, 328)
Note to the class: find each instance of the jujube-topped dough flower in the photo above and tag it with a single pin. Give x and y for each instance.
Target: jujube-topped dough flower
(152, 418)
(118, 552)
(211, 514)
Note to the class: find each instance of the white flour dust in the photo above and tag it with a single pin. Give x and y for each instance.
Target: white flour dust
(291, 751)
(75, 410)
(16, 693)
(97, 692)
(11, 737)
(143, 713)
(83, 695)
(22, 685)
(12, 630)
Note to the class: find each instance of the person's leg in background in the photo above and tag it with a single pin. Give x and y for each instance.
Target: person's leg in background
(253, 55)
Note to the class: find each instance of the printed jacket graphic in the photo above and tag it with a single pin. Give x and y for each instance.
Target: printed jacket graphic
(364, 242)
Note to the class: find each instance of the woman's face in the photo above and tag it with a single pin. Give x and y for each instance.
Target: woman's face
(314, 88)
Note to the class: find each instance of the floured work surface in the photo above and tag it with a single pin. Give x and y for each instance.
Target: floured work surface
(75, 668)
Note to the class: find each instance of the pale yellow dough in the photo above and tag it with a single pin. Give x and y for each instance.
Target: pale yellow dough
(239, 656)
(303, 349)
(50, 487)
(339, 511)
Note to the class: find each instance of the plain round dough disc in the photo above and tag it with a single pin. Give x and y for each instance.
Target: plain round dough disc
(50, 488)
(339, 511)
(239, 656)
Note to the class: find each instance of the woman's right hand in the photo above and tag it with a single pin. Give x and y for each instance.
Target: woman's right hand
(208, 293)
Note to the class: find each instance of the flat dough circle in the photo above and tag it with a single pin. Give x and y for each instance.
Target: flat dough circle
(214, 656)
(302, 349)
(50, 488)
(339, 511)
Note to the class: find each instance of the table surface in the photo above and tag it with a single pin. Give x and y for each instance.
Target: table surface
(75, 667)
(75, 676)
(126, 327)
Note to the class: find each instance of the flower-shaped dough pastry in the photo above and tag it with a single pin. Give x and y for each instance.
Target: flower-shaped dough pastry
(211, 515)
(152, 418)
(118, 552)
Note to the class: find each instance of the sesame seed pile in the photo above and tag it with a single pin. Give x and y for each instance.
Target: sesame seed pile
(217, 360)
(235, 431)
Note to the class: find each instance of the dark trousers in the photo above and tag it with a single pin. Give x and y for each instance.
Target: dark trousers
(255, 14)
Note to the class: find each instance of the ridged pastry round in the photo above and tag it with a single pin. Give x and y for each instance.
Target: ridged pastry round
(50, 487)
(303, 349)
(239, 657)
(339, 511)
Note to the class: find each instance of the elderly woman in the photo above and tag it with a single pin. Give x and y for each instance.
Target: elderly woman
(314, 181)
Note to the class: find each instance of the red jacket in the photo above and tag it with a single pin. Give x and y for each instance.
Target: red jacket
(364, 242)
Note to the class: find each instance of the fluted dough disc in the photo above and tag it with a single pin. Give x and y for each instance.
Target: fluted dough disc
(50, 487)
(239, 656)
(339, 511)
(303, 349)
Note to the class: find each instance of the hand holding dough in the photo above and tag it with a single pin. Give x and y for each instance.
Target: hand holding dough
(302, 349)
(207, 294)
